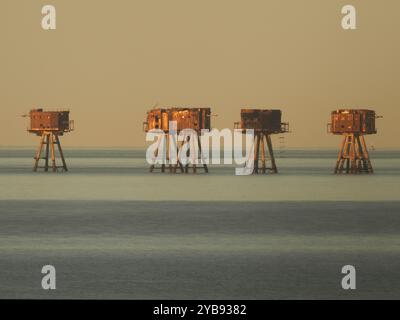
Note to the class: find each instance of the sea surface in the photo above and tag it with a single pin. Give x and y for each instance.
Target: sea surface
(114, 230)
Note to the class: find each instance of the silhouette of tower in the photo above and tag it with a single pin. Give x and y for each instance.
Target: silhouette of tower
(192, 119)
(353, 124)
(265, 123)
(49, 126)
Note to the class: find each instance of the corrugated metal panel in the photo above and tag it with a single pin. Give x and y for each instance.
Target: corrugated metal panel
(49, 120)
(186, 118)
(359, 121)
(262, 120)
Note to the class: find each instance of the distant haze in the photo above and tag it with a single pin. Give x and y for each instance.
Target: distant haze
(111, 61)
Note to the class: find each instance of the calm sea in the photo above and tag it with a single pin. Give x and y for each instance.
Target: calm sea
(113, 230)
(123, 175)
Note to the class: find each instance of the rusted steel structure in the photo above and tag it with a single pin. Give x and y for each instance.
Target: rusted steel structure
(195, 119)
(353, 124)
(49, 125)
(265, 123)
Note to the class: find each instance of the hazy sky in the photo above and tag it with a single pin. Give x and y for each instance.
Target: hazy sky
(110, 61)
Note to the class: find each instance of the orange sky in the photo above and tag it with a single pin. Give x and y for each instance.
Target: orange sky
(110, 61)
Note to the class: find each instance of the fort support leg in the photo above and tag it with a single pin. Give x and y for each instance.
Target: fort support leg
(49, 139)
(187, 154)
(178, 163)
(256, 152)
(173, 158)
(168, 157)
(340, 156)
(347, 153)
(156, 151)
(175, 155)
(53, 154)
(39, 152)
(366, 156)
(194, 153)
(203, 160)
(259, 145)
(344, 165)
(61, 153)
(363, 157)
(274, 169)
(359, 155)
(344, 155)
(263, 154)
(187, 164)
(163, 154)
(46, 159)
(353, 155)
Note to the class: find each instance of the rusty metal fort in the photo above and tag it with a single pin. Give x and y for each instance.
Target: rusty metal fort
(49, 126)
(195, 119)
(351, 124)
(264, 123)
